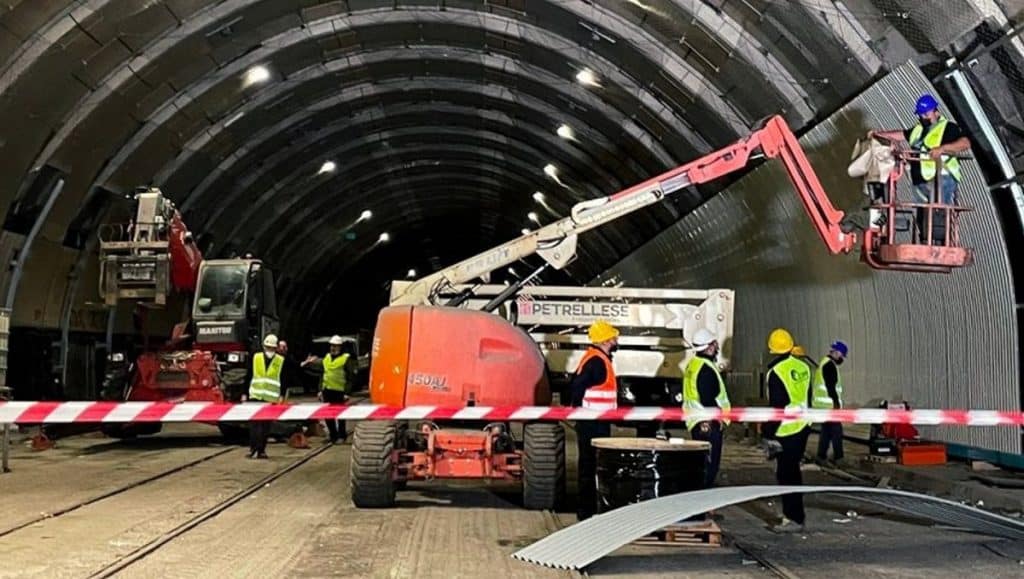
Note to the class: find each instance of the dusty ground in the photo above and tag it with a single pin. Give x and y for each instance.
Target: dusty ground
(303, 524)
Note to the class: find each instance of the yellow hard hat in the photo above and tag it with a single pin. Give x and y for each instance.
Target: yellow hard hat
(780, 342)
(601, 331)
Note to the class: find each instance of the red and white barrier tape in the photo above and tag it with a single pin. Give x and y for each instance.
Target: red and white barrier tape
(68, 412)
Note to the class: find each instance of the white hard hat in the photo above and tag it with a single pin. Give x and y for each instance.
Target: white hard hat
(702, 338)
(336, 340)
(270, 341)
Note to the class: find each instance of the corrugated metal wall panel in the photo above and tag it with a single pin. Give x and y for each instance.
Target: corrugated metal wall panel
(938, 341)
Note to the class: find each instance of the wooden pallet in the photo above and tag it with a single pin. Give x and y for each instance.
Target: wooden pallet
(697, 533)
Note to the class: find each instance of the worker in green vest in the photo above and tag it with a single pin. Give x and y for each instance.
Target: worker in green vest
(265, 387)
(938, 141)
(828, 394)
(337, 370)
(789, 381)
(703, 387)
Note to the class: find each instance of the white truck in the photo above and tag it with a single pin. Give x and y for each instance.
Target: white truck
(655, 326)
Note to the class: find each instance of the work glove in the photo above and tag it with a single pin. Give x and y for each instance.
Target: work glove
(628, 394)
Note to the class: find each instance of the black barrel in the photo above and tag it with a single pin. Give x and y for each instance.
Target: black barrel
(630, 470)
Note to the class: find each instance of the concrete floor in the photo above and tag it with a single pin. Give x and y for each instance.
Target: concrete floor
(304, 525)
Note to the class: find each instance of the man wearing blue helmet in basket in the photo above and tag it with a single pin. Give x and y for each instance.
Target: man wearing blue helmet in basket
(938, 141)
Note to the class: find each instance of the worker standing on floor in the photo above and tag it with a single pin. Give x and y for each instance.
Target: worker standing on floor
(595, 387)
(336, 369)
(801, 353)
(789, 381)
(703, 387)
(264, 387)
(828, 393)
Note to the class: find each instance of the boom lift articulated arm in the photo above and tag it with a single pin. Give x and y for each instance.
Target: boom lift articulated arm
(556, 242)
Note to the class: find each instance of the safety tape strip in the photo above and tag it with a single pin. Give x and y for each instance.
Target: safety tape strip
(70, 412)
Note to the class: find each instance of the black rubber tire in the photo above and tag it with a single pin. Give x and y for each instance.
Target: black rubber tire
(370, 475)
(115, 384)
(233, 383)
(117, 431)
(234, 433)
(543, 466)
(402, 443)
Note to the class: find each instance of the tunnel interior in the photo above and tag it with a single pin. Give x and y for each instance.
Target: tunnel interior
(458, 124)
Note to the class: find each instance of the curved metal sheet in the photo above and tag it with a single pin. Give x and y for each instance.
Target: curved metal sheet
(581, 544)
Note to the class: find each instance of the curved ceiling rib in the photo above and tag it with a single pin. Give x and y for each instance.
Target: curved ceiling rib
(410, 61)
(367, 162)
(466, 94)
(385, 89)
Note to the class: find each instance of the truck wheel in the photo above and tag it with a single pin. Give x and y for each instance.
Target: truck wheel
(543, 466)
(370, 475)
(233, 384)
(115, 384)
(233, 432)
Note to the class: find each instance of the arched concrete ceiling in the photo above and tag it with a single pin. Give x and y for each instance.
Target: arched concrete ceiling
(440, 116)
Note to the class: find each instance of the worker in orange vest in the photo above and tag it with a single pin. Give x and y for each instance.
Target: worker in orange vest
(594, 386)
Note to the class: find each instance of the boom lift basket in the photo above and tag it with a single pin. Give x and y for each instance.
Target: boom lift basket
(918, 249)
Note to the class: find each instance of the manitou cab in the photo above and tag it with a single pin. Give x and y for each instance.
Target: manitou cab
(234, 309)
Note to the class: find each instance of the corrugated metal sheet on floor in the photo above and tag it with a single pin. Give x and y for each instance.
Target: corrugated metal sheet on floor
(580, 545)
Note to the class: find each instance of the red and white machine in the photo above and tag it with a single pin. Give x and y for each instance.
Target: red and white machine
(432, 354)
(231, 307)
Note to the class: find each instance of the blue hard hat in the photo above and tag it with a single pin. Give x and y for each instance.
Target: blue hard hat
(925, 104)
(840, 347)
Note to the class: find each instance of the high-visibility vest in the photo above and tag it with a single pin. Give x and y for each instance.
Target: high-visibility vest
(931, 141)
(603, 396)
(334, 373)
(691, 395)
(266, 381)
(796, 377)
(821, 397)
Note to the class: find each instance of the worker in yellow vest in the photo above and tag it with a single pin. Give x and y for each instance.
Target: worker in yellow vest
(938, 140)
(789, 381)
(336, 375)
(595, 387)
(828, 393)
(801, 353)
(264, 387)
(703, 387)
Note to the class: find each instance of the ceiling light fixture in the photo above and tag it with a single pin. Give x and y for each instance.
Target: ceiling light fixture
(366, 214)
(411, 273)
(566, 132)
(538, 197)
(587, 77)
(384, 238)
(327, 167)
(256, 75)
